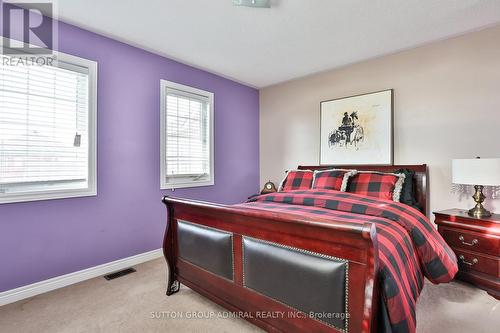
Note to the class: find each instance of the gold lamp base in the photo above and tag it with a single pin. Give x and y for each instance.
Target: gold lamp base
(479, 211)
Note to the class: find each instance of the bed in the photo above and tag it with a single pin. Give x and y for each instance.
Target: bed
(309, 261)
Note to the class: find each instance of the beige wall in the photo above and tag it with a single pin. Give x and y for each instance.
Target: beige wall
(447, 105)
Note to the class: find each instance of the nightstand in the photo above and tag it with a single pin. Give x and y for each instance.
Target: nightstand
(476, 242)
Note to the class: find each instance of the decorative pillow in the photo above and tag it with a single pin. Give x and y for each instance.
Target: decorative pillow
(332, 179)
(296, 180)
(377, 184)
(408, 192)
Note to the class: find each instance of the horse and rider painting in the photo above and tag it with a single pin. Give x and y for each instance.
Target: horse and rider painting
(357, 129)
(349, 132)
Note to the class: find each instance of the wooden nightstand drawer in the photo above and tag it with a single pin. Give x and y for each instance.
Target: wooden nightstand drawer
(476, 242)
(468, 261)
(468, 240)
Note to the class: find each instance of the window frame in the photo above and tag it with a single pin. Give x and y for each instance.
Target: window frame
(91, 189)
(184, 181)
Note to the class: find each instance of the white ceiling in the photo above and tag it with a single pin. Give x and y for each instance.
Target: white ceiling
(294, 38)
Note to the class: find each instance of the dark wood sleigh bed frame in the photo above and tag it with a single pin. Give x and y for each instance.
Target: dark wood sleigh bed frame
(215, 250)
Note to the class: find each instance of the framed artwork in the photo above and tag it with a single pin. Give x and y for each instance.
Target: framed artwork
(357, 129)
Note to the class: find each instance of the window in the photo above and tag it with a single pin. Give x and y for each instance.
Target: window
(47, 129)
(186, 136)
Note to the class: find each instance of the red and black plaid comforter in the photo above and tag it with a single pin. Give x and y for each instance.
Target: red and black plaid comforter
(409, 246)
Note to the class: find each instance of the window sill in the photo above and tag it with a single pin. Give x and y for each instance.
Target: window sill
(40, 196)
(165, 186)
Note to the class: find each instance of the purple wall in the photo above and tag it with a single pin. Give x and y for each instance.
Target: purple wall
(40, 240)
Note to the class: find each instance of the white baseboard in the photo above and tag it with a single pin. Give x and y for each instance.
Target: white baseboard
(41, 287)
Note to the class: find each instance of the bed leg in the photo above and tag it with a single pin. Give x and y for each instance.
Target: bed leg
(173, 286)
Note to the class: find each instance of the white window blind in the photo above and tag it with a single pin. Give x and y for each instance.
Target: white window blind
(45, 131)
(186, 136)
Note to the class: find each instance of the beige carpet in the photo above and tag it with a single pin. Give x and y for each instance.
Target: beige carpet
(137, 303)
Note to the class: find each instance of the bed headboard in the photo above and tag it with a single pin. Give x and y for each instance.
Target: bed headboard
(420, 181)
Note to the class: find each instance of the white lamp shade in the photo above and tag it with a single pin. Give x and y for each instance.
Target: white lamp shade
(476, 171)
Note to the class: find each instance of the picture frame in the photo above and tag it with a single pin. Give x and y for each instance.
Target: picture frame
(358, 129)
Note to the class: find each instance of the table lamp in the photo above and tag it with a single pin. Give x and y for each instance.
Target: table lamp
(479, 172)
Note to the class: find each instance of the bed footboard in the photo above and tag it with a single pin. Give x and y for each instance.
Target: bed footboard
(279, 271)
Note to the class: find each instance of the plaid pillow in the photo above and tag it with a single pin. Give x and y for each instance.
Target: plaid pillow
(296, 180)
(333, 179)
(377, 184)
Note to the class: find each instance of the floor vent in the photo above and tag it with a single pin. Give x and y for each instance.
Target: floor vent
(118, 274)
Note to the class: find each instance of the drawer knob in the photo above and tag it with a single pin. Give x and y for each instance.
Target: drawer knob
(474, 261)
(462, 239)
